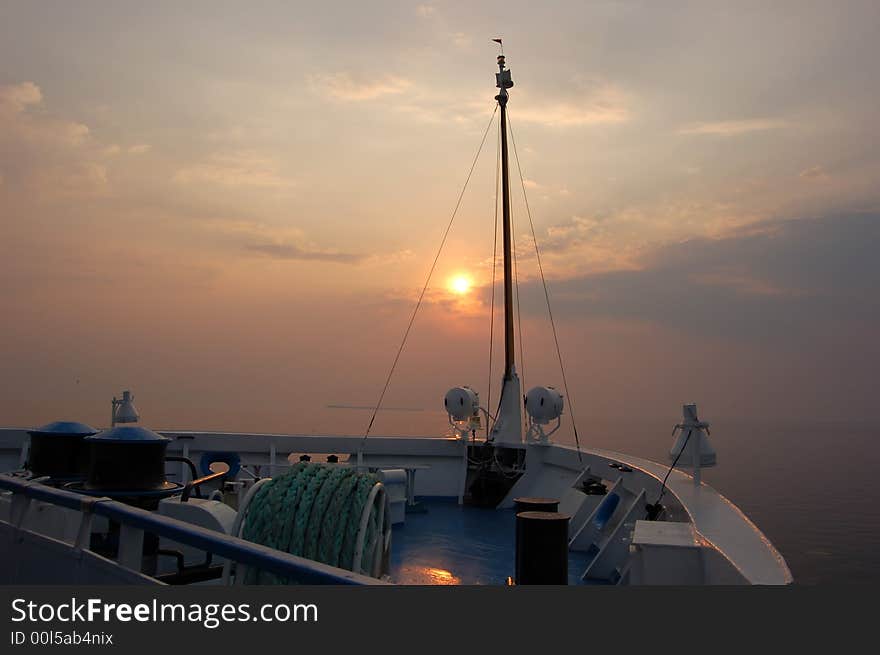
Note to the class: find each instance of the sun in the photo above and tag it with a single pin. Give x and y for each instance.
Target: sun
(460, 284)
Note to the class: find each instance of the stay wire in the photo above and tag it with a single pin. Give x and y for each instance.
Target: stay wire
(546, 291)
(430, 274)
(674, 462)
(522, 361)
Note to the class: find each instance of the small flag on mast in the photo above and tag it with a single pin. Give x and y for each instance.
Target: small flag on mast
(498, 41)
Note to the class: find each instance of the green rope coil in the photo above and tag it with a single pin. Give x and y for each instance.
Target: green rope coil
(313, 511)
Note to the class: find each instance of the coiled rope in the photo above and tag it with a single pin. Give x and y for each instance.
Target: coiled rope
(327, 513)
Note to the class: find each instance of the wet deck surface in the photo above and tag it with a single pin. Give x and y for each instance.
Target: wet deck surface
(449, 544)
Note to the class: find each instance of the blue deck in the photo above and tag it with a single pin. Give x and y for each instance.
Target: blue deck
(449, 544)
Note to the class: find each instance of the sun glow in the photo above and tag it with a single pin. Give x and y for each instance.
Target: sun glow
(441, 576)
(460, 284)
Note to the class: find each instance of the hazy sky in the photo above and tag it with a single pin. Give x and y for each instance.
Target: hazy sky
(230, 207)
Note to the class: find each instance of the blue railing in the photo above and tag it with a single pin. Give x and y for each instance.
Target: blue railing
(298, 569)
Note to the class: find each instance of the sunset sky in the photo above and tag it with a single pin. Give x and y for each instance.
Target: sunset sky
(230, 208)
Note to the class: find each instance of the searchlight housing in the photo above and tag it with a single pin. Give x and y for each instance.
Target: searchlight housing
(543, 405)
(463, 407)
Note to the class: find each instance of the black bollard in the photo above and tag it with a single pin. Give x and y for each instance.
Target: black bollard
(526, 504)
(541, 548)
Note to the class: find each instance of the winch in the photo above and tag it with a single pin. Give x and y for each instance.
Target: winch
(58, 450)
(127, 462)
(128, 459)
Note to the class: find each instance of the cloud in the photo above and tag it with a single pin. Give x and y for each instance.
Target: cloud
(734, 128)
(138, 149)
(287, 250)
(235, 169)
(43, 156)
(592, 102)
(15, 98)
(569, 234)
(21, 110)
(576, 244)
(814, 173)
(545, 191)
(772, 281)
(293, 252)
(461, 40)
(86, 177)
(348, 87)
(565, 114)
(282, 241)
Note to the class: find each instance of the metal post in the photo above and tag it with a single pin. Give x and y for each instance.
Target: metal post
(25, 450)
(410, 487)
(541, 548)
(131, 547)
(184, 467)
(464, 471)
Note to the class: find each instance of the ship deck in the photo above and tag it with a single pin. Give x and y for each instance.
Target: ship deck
(448, 545)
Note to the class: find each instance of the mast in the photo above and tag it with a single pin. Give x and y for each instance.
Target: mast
(508, 425)
(504, 82)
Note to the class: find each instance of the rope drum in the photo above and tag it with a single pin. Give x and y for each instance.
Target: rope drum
(327, 513)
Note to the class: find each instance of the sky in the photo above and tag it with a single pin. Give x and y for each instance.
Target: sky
(230, 209)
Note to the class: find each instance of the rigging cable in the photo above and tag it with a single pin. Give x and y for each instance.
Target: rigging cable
(546, 292)
(654, 510)
(494, 265)
(522, 360)
(428, 280)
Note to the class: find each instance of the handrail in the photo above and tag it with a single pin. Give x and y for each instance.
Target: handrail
(283, 564)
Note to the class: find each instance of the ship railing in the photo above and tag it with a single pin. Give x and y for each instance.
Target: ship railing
(135, 522)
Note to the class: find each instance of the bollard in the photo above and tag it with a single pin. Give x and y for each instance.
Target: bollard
(526, 504)
(541, 548)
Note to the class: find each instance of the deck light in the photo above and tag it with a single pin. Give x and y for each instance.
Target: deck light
(124, 410)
